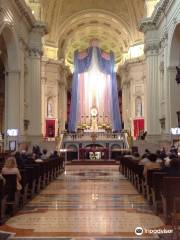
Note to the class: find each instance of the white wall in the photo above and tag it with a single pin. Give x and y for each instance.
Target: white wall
(133, 83)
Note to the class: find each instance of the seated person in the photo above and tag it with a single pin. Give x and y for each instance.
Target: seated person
(136, 156)
(173, 169)
(159, 157)
(2, 179)
(44, 155)
(152, 164)
(19, 160)
(10, 167)
(144, 158)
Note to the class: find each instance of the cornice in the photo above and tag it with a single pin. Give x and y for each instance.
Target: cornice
(25, 11)
(40, 27)
(151, 22)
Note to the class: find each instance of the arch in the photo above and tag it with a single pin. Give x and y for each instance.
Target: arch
(173, 61)
(72, 147)
(94, 145)
(174, 54)
(11, 39)
(88, 21)
(92, 14)
(115, 145)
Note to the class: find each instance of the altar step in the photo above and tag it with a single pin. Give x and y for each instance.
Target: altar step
(92, 162)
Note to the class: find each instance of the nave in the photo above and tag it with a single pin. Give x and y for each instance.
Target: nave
(85, 202)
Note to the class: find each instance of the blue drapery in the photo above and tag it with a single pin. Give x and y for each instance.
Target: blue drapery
(106, 66)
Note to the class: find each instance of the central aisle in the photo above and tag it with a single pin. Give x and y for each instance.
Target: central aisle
(86, 201)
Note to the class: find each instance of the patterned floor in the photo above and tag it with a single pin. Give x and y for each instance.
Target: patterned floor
(85, 203)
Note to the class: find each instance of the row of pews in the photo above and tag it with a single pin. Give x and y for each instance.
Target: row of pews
(35, 177)
(161, 191)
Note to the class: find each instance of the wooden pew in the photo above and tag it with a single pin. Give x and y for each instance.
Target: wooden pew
(171, 189)
(13, 195)
(3, 200)
(156, 188)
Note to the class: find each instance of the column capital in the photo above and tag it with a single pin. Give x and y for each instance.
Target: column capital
(151, 47)
(35, 52)
(40, 27)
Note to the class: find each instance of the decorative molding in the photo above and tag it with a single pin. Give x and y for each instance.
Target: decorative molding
(35, 52)
(163, 39)
(151, 47)
(40, 27)
(150, 23)
(26, 12)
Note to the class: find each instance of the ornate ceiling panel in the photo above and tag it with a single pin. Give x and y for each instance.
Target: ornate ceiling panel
(72, 23)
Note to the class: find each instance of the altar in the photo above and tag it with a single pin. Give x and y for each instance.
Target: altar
(94, 98)
(97, 131)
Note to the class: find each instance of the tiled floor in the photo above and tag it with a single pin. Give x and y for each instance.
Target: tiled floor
(86, 202)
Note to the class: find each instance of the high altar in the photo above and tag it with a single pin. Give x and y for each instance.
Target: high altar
(94, 103)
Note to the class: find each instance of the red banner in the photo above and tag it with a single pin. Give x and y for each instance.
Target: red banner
(138, 127)
(50, 128)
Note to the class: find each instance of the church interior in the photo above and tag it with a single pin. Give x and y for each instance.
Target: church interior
(89, 119)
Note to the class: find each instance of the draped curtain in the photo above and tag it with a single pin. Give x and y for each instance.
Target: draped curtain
(81, 85)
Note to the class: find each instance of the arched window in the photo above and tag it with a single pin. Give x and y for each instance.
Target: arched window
(138, 107)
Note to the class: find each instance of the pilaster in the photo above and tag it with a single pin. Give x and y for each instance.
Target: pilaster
(152, 93)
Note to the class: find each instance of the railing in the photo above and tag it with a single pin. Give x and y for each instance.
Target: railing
(96, 136)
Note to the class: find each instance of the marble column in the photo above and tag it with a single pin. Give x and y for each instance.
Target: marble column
(12, 99)
(35, 127)
(12, 103)
(173, 98)
(62, 105)
(35, 103)
(152, 90)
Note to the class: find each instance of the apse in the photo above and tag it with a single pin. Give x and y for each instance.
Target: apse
(94, 102)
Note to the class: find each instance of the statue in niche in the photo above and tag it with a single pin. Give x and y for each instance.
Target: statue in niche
(138, 105)
(50, 108)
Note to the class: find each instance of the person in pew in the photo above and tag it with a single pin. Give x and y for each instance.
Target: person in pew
(173, 170)
(159, 157)
(136, 156)
(168, 159)
(2, 179)
(54, 156)
(10, 167)
(163, 153)
(36, 150)
(44, 155)
(127, 154)
(19, 160)
(152, 164)
(144, 158)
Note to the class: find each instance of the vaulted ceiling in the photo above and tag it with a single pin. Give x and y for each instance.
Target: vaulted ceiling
(73, 23)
